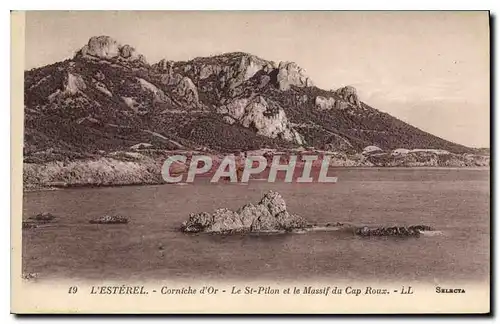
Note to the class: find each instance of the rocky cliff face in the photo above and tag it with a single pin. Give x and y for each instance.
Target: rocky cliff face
(267, 119)
(108, 98)
(290, 74)
(349, 95)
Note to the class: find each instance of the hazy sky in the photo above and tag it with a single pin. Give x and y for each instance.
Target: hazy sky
(430, 69)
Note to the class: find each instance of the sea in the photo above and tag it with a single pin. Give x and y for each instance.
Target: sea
(455, 202)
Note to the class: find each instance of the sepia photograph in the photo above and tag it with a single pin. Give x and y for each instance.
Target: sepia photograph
(254, 154)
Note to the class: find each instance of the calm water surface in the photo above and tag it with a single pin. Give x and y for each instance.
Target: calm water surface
(454, 201)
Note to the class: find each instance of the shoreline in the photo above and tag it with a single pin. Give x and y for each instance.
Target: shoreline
(144, 167)
(59, 185)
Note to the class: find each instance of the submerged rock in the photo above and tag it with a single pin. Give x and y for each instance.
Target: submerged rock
(29, 224)
(29, 276)
(107, 219)
(38, 220)
(269, 215)
(337, 224)
(44, 217)
(414, 230)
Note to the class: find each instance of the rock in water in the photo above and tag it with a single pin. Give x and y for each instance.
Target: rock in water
(414, 230)
(274, 202)
(269, 215)
(107, 219)
(29, 224)
(43, 217)
(37, 220)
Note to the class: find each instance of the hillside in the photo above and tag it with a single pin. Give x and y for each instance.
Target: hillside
(109, 98)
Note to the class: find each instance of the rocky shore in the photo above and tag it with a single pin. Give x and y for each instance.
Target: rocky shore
(142, 166)
(270, 215)
(130, 168)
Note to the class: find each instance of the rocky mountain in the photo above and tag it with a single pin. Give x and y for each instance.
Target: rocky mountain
(109, 98)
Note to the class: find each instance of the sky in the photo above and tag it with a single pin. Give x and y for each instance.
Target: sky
(430, 69)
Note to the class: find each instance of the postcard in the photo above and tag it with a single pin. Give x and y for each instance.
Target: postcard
(250, 162)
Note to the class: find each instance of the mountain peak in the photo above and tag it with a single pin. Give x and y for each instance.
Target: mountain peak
(222, 102)
(106, 47)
